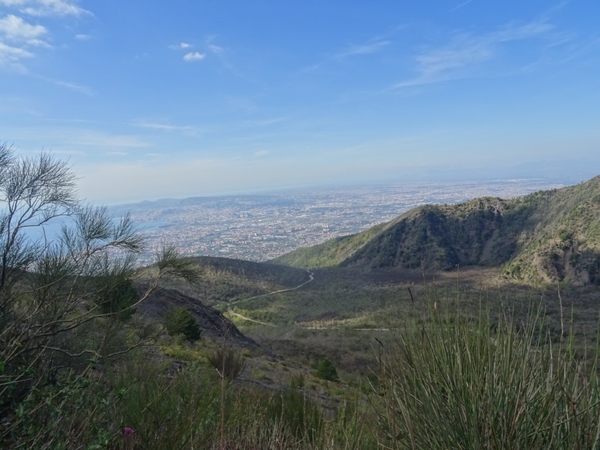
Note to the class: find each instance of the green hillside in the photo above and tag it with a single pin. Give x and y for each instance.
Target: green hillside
(225, 280)
(330, 253)
(545, 236)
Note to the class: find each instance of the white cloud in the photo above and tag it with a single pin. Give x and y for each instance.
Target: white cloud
(83, 37)
(465, 51)
(193, 56)
(21, 36)
(46, 7)
(182, 45)
(18, 36)
(261, 153)
(17, 30)
(9, 54)
(215, 48)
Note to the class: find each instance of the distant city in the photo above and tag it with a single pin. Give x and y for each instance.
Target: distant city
(262, 227)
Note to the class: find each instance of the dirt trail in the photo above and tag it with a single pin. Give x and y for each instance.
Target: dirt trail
(311, 278)
(233, 313)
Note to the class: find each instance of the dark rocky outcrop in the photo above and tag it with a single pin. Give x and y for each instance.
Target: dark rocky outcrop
(212, 323)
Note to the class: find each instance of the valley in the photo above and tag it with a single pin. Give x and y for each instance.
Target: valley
(340, 313)
(338, 299)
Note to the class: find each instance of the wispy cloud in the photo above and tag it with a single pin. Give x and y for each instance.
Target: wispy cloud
(181, 45)
(68, 85)
(95, 139)
(466, 51)
(193, 56)
(266, 122)
(363, 49)
(212, 47)
(460, 5)
(117, 153)
(46, 7)
(83, 37)
(375, 44)
(261, 153)
(11, 55)
(162, 126)
(215, 48)
(71, 138)
(17, 37)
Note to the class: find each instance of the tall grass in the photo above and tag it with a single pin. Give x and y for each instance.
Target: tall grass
(185, 411)
(483, 383)
(448, 380)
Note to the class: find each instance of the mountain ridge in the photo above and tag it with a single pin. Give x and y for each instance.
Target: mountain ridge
(545, 236)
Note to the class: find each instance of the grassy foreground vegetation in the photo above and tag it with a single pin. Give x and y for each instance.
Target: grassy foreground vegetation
(445, 381)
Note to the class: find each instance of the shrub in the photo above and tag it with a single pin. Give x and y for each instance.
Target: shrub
(228, 362)
(327, 371)
(115, 296)
(181, 321)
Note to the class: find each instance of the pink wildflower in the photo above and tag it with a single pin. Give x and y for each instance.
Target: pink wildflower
(128, 431)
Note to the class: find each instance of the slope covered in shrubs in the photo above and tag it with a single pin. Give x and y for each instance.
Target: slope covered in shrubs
(545, 236)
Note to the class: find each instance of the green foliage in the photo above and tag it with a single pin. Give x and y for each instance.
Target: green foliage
(298, 413)
(181, 321)
(176, 412)
(486, 384)
(228, 280)
(331, 253)
(115, 296)
(228, 362)
(326, 370)
(63, 305)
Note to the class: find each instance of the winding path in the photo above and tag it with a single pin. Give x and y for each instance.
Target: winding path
(311, 278)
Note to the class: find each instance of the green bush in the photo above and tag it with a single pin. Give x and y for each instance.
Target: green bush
(181, 321)
(327, 371)
(117, 297)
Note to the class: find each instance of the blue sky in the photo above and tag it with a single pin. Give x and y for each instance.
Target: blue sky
(154, 99)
